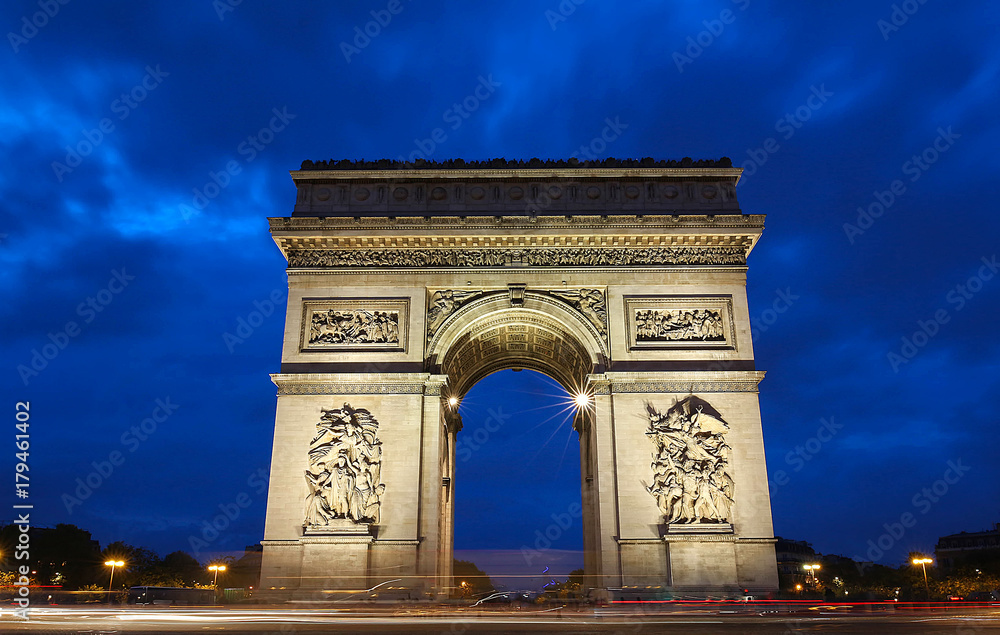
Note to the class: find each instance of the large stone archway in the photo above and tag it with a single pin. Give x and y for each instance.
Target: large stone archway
(407, 286)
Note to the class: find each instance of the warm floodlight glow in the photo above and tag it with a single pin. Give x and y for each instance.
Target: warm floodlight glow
(922, 561)
(582, 400)
(217, 568)
(113, 564)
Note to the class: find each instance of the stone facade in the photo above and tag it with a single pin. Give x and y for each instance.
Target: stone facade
(408, 286)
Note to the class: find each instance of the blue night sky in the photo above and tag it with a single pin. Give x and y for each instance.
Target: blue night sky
(116, 116)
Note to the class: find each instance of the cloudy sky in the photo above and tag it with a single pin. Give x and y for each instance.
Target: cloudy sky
(868, 135)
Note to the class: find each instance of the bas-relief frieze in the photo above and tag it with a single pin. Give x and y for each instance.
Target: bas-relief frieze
(354, 324)
(676, 325)
(344, 475)
(535, 257)
(691, 463)
(354, 327)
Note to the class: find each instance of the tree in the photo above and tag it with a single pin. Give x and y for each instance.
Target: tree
(182, 567)
(471, 581)
(64, 556)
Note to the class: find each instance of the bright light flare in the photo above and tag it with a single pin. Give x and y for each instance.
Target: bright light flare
(922, 561)
(114, 563)
(582, 400)
(452, 401)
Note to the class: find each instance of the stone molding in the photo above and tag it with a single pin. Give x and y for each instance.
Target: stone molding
(357, 384)
(279, 225)
(675, 382)
(717, 538)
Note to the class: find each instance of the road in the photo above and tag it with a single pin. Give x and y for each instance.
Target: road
(106, 621)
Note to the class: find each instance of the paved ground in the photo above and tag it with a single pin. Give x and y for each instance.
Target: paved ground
(955, 621)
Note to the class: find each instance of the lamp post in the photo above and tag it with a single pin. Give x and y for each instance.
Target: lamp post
(923, 562)
(812, 568)
(112, 564)
(216, 568)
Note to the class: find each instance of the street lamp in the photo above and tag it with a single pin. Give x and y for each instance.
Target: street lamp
(812, 568)
(923, 562)
(113, 564)
(217, 568)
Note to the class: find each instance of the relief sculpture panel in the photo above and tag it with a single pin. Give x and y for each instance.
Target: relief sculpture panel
(354, 327)
(680, 322)
(676, 325)
(691, 463)
(360, 324)
(345, 463)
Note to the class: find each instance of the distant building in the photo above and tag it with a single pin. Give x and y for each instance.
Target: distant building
(791, 555)
(968, 548)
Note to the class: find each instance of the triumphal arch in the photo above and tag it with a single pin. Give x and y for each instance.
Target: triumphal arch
(625, 281)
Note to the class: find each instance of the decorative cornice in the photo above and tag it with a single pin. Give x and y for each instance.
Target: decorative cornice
(582, 221)
(501, 163)
(510, 257)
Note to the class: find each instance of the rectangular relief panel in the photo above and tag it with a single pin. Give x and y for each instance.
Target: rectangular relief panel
(354, 324)
(665, 322)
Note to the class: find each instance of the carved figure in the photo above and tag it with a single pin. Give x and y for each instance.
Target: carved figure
(679, 325)
(691, 481)
(442, 305)
(590, 302)
(345, 463)
(354, 327)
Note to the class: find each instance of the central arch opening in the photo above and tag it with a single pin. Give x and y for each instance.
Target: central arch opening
(518, 507)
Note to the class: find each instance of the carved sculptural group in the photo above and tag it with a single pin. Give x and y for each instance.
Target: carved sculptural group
(354, 327)
(691, 480)
(345, 462)
(678, 325)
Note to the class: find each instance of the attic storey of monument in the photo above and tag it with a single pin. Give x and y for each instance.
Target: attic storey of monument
(624, 281)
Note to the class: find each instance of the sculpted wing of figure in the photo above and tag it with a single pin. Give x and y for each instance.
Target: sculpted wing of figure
(442, 305)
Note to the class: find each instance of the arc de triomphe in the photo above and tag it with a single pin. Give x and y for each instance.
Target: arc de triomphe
(623, 281)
